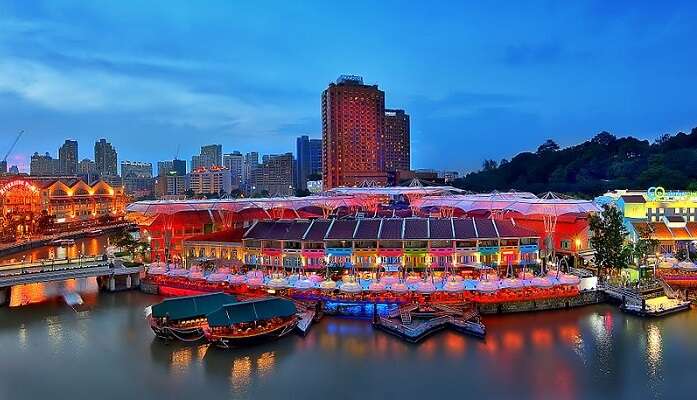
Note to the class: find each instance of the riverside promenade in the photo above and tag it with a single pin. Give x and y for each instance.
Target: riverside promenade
(14, 247)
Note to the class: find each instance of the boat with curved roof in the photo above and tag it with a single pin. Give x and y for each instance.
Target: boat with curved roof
(184, 318)
(249, 321)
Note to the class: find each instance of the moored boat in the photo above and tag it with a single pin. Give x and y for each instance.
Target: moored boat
(249, 321)
(184, 318)
(63, 242)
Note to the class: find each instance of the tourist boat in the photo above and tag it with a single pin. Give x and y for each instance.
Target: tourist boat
(184, 318)
(249, 321)
(93, 233)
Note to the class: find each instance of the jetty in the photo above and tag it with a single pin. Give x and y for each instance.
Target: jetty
(655, 300)
(413, 322)
(308, 312)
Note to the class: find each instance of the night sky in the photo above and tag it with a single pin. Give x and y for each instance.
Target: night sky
(479, 81)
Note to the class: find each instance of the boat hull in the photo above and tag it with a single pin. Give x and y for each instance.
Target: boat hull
(166, 332)
(229, 341)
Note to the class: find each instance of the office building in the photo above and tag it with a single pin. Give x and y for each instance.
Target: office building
(234, 162)
(87, 166)
(274, 176)
(137, 178)
(136, 169)
(397, 141)
(44, 165)
(68, 156)
(211, 156)
(251, 163)
(308, 161)
(105, 158)
(167, 167)
(213, 180)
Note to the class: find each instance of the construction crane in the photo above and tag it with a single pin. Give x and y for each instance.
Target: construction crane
(12, 147)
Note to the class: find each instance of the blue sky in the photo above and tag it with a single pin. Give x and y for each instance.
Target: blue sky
(480, 80)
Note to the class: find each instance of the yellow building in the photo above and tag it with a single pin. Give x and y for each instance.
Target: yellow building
(24, 201)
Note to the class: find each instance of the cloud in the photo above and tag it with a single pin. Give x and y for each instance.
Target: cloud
(82, 90)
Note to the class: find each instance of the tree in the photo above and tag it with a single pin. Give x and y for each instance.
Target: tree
(125, 241)
(604, 138)
(645, 244)
(45, 222)
(663, 139)
(489, 165)
(607, 239)
(548, 146)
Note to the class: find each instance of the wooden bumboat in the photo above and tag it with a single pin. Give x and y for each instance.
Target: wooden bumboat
(251, 321)
(184, 318)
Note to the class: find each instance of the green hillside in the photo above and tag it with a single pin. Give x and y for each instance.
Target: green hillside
(593, 167)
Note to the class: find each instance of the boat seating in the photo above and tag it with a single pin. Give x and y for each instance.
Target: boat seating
(405, 317)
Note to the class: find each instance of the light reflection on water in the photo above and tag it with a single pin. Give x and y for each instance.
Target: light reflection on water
(582, 353)
(87, 247)
(22, 295)
(240, 375)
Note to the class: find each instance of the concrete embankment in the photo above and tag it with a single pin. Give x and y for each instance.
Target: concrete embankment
(582, 299)
(6, 250)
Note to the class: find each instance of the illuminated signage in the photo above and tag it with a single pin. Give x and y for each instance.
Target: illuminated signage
(12, 184)
(658, 193)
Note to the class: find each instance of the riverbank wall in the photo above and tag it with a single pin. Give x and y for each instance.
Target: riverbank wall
(582, 299)
(5, 295)
(10, 249)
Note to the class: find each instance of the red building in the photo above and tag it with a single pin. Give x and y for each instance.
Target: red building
(353, 133)
(397, 142)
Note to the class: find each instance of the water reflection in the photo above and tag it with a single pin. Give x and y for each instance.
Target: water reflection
(22, 337)
(180, 359)
(240, 374)
(653, 349)
(85, 247)
(583, 353)
(34, 293)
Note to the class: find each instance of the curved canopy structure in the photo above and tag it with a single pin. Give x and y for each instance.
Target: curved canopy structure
(520, 202)
(168, 207)
(396, 191)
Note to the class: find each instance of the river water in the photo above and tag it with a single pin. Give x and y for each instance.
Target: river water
(105, 350)
(90, 246)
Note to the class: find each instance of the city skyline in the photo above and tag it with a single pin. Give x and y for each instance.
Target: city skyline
(472, 82)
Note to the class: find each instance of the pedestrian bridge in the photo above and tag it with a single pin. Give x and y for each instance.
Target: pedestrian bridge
(111, 273)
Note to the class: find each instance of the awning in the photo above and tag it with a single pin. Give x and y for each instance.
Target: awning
(179, 308)
(249, 311)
